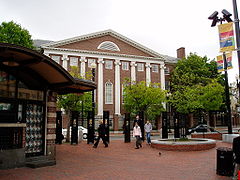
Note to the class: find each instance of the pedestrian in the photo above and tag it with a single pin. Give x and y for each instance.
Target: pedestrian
(137, 134)
(148, 129)
(236, 152)
(101, 134)
(141, 124)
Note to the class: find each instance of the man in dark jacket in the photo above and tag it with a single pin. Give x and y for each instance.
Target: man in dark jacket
(101, 134)
(236, 151)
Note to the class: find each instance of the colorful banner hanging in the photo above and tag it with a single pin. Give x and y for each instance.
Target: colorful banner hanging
(220, 64)
(220, 67)
(226, 37)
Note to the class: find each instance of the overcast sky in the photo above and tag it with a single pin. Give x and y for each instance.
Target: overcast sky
(161, 25)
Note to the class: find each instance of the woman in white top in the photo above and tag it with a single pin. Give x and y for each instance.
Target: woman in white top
(137, 134)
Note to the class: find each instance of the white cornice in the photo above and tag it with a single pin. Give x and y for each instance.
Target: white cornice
(103, 33)
(86, 53)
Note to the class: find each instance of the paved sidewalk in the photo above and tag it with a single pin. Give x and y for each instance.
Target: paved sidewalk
(120, 161)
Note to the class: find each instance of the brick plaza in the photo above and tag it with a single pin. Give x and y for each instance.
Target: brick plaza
(120, 161)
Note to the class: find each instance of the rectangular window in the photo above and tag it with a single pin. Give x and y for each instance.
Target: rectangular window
(125, 66)
(167, 70)
(154, 68)
(108, 64)
(73, 61)
(56, 58)
(167, 85)
(140, 66)
(108, 93)
(90, 61)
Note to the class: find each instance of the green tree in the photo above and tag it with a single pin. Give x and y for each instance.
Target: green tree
(75, 102)
(140, 97)
(196, 85)
(13, 33)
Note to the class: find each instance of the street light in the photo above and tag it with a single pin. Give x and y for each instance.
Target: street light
(215, 18)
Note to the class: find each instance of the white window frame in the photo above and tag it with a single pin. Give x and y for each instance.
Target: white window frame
(56, 58)
(125, 66)
(155, 68)
(108, 64)
(108, 93)
(73, 61)
(140, 66)
(90, 61)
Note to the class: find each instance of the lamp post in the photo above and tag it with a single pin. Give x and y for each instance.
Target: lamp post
(237, 32)
(215, 19)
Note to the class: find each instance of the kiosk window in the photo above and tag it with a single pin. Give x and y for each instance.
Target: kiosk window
(7, 85)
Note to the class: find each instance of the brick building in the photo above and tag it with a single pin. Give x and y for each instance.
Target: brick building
(116, 57)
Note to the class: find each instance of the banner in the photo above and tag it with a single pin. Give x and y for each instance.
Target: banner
(220, 62)
(226, 37)
(220, 67)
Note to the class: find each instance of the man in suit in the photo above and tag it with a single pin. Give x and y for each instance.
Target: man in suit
(101, 134)
(236, 151)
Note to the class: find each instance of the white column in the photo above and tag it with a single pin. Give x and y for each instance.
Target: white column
(162, 76)
(82, 70)
(133, 71)
(65, 61)
(148, 73)
(117, 87)
(100, 87)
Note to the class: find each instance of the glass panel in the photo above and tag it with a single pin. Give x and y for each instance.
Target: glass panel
(25, 93)
(7, 85)
(7, 114)
(56, 58)
(34, 128)
(73, 61)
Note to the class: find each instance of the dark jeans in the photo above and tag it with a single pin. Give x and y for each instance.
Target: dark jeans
(103, 139)
(148, 137)
(138, 141)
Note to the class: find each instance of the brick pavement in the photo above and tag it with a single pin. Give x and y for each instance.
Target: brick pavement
(122, 162)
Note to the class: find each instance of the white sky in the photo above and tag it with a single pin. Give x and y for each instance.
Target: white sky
(161, 25)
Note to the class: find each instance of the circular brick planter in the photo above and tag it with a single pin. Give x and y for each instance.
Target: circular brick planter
(195, 144)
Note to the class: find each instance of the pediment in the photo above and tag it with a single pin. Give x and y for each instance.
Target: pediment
(105, 41)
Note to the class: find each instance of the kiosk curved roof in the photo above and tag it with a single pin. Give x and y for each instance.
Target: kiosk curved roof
(39, 71)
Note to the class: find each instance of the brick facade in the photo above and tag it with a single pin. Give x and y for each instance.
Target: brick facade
(87, 47)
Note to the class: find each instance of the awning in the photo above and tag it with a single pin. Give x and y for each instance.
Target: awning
(40, 72)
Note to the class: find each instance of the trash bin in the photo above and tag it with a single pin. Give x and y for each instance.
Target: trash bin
(225, 161)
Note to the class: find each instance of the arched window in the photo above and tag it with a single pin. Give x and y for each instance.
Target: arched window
(108, 93)
(108, 45)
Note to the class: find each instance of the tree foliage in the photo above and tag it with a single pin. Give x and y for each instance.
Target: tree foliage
(140, 97)
(13, 33)
(73, 102)
(196, 85)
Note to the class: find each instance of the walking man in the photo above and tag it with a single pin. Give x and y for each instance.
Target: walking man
(148, 129)
(101, 134)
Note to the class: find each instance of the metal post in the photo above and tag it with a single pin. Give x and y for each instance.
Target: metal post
(126, 128)
(164, 125)
(106, 124)
(74, 124)
(59, 127)
(228, 108)
(176, 125)
(237, 31)
(90, 127)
